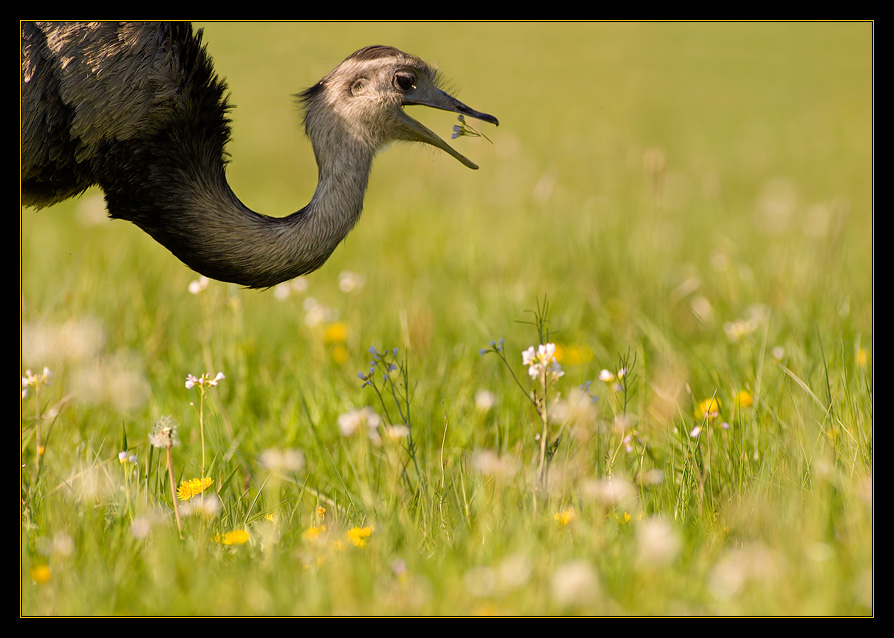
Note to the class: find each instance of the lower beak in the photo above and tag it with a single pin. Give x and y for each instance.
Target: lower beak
(440, 100)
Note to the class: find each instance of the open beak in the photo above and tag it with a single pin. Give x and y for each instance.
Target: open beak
(438, 99)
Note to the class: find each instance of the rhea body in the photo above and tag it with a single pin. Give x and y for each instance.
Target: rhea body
(138, 110)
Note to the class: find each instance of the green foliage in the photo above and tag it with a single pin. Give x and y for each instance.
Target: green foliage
(683, 210)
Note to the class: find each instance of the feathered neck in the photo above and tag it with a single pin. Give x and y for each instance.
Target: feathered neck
(173, 185)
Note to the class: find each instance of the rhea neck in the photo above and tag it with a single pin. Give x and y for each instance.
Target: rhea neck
(203, 223)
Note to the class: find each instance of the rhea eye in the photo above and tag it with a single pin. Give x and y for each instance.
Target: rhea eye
(405, 81)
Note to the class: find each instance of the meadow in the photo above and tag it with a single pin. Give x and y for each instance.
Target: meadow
(624, 369)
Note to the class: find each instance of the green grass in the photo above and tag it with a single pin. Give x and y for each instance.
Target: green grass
(651, 189)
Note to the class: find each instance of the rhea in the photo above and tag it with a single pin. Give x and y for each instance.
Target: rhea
(138, 110)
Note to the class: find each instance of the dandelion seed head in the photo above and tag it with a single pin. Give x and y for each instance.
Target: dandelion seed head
(164, 435)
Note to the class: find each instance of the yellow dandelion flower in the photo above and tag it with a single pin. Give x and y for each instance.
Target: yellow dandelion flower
(336, 332)
(708, 409)
(193, 487)
(744, 399)
(40, 574)
(236, 537)
(359, 535)
(564, 517)
(560, 352)
(862, 357)
(313, 533)
(573, 354)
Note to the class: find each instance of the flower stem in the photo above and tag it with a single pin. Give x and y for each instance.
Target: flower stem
(37, 418)
(544, 434)
(173, 490)
(202, 424)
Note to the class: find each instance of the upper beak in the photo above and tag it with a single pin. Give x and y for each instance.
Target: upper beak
(438, 99)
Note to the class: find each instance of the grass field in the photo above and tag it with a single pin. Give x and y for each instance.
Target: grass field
(684, 210)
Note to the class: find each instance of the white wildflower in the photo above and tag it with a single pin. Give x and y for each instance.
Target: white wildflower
(541, 361)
